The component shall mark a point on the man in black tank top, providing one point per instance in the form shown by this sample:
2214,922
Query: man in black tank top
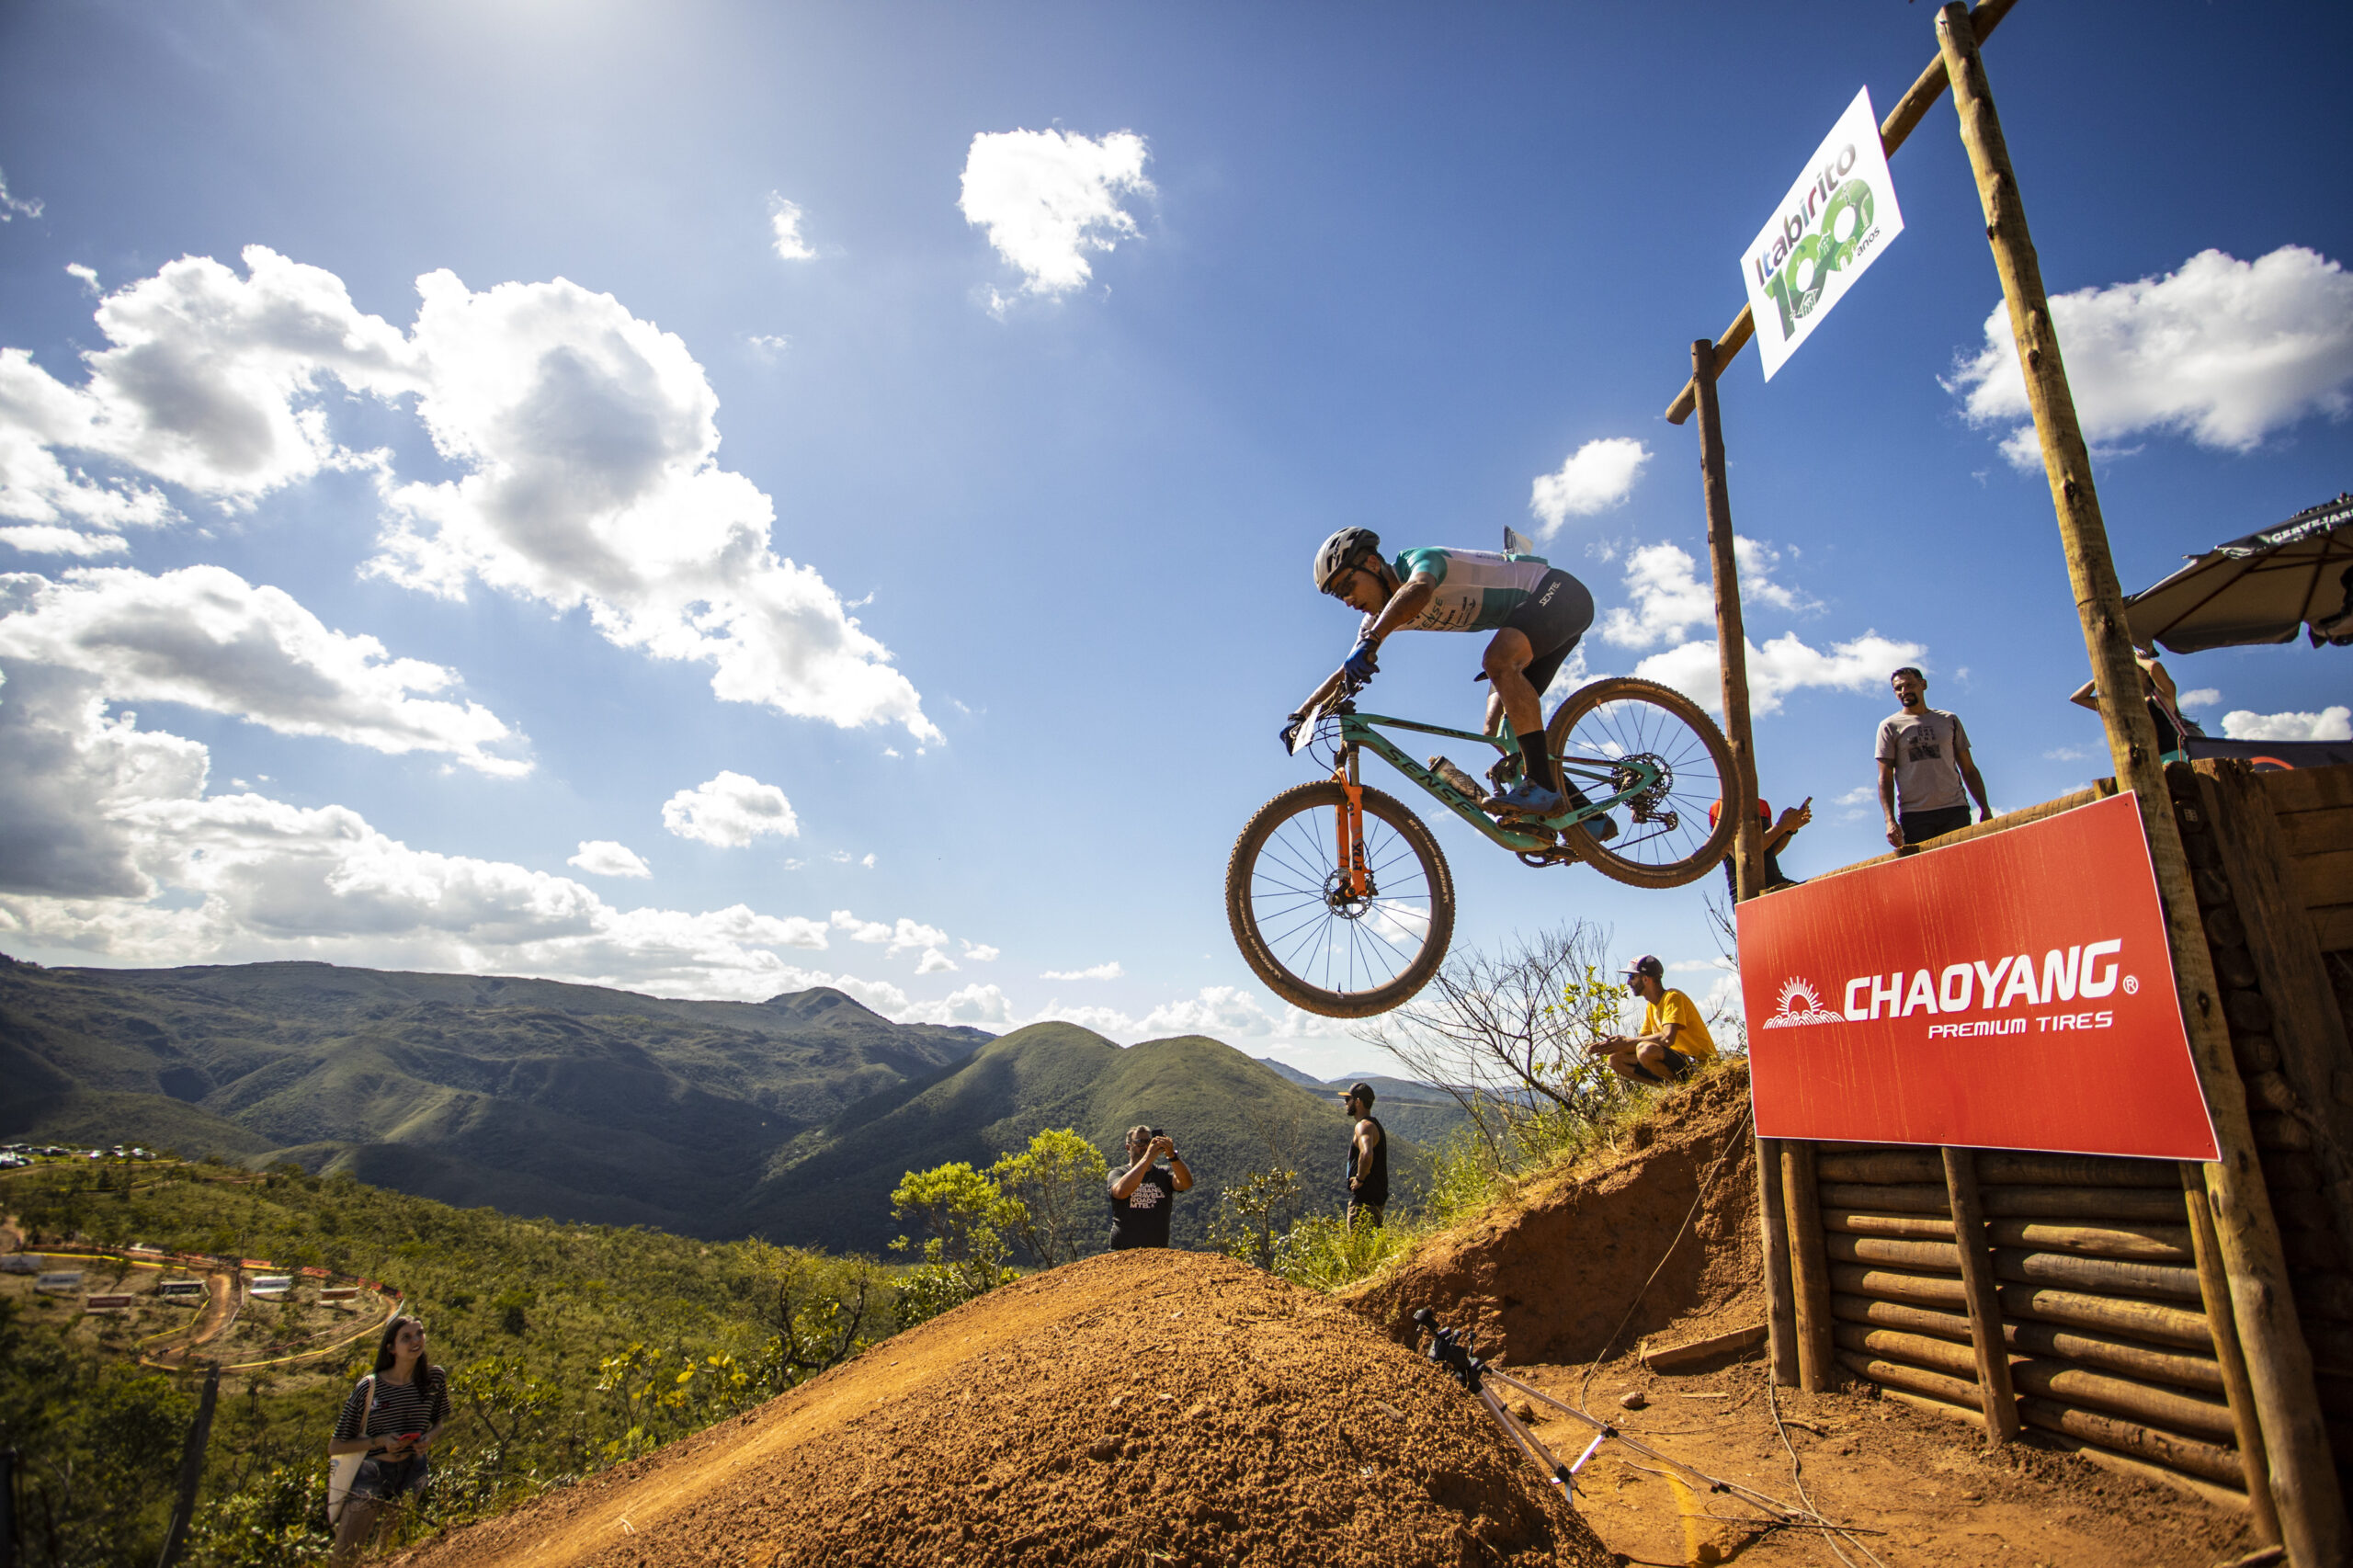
1368,1158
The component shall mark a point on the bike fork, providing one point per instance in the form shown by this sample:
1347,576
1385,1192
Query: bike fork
1351,826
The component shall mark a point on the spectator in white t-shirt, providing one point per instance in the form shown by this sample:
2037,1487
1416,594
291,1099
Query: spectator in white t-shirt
1923,764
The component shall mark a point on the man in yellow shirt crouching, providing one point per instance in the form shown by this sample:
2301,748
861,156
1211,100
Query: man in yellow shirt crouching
1675,1037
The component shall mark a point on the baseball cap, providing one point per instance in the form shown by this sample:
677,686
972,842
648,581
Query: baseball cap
1764,810
1648,965
1359,1091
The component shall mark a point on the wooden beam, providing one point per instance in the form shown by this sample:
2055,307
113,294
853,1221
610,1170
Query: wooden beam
1732,638
1773,1236
1809,1268
2280,1367
2001,1405
2308,1029
2233,1362
1907,113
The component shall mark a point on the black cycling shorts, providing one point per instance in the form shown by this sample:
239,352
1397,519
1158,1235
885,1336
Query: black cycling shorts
1553,618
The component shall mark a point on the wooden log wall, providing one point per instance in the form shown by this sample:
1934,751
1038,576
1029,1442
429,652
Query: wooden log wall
2105,1305
2272,856
2101,1314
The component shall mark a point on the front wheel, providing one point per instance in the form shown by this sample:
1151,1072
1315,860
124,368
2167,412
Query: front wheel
1315,942
1664,839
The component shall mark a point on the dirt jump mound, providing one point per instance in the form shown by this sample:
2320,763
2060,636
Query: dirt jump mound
1551,1275
1139,1407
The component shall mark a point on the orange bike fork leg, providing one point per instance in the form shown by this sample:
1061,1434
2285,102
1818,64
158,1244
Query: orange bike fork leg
1351,846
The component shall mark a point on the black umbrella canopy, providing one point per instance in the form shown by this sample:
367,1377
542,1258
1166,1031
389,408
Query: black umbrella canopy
2261,588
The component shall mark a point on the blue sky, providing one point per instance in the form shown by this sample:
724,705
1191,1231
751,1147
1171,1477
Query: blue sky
891,531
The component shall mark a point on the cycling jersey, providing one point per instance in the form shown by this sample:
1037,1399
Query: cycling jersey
1477,589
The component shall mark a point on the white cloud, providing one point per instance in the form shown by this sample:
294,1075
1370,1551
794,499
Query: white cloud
934,962
44,539
593,443
894,937
1100,972
974,1004
14,207
979,953
1779,666
1047,198
97,817
730,811
603,857
85,276
1668,599
204,636
1596,477
2328,724
2204,697
784,225
587,440
2069,754
1859,802
2222,351
767,345
1757,560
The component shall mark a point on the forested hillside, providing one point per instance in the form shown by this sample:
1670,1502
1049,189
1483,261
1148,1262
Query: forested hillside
1230,1116
572,1101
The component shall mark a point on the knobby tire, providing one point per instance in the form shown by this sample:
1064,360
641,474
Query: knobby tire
1270,931
1693,791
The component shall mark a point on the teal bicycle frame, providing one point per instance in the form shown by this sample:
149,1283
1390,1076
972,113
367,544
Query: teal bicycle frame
1604,782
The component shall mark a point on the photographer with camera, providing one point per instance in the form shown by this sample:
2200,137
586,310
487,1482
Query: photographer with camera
1142,1195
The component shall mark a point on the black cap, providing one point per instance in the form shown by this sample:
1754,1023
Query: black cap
1646,965
1359,1091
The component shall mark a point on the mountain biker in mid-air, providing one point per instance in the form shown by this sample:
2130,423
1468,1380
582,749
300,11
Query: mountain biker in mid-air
1536,612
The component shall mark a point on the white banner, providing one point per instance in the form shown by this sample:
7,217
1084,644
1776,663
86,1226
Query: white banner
1833,224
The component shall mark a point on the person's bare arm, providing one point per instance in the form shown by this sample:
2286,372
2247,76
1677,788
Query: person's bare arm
1969,776
1787,829
1180,1175
1132,1177
1403,606
1321,695
1887,801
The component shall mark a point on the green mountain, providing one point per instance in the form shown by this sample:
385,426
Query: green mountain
573,1101
1229,1115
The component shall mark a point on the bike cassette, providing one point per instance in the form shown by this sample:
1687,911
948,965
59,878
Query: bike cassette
1642,804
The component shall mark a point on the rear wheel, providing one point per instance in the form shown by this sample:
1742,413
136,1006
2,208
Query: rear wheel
1664,837
1316,944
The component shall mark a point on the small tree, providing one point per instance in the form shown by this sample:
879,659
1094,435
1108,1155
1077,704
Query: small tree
1058,1181
1506,1034
1253,1213
964,1220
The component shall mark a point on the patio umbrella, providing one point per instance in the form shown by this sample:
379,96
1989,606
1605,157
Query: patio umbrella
2259,588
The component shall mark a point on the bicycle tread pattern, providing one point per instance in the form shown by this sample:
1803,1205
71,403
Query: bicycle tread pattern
1295,989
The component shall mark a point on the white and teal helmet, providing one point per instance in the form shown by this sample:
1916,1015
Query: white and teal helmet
1349,547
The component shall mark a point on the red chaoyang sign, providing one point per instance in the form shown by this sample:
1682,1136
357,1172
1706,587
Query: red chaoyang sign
2009,991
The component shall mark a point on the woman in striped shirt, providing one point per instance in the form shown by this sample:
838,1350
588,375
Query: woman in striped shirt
392,1417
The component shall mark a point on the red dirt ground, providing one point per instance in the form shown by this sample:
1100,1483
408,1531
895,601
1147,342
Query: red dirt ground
1150,1408
1136,1408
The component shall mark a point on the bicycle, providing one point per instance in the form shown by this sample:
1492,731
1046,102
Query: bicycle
1335,882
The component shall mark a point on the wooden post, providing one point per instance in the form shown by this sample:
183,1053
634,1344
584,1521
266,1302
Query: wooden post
1773,1235
1732,640
2216,1289
2279,1366
1998,1400
1809,1266
199,1434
